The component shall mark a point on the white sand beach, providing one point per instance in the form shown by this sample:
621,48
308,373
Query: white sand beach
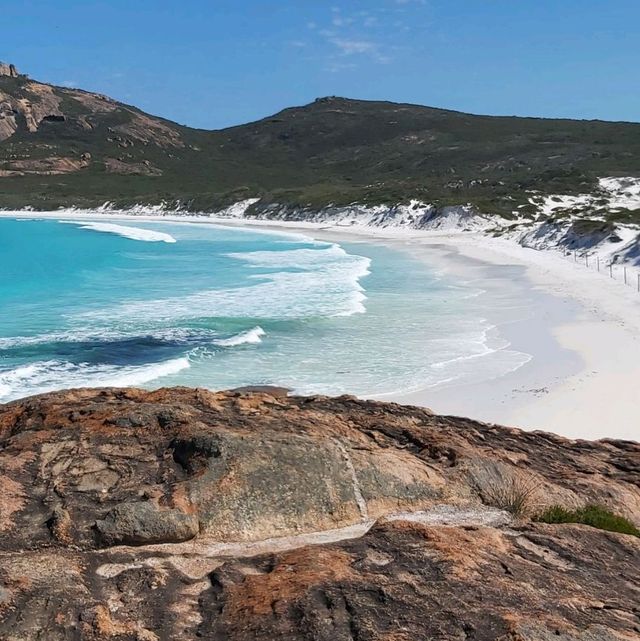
588,315
583,380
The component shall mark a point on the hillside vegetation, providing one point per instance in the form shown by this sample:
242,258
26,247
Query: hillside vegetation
61,146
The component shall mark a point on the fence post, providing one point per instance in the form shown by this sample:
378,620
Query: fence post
586,259
639,282
575,256
625,275
598,259
611,270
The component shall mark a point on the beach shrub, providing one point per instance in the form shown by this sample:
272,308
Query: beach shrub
596,516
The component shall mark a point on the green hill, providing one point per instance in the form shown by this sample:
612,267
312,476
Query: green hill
61,146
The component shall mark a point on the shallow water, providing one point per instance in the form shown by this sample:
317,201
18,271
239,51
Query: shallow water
153,304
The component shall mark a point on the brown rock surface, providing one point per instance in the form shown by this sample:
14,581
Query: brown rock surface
180,513
408,581
34,103
115,166
51,166
46,130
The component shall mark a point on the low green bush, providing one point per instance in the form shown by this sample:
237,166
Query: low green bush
596,516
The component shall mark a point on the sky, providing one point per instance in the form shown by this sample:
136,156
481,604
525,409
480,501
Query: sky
217,63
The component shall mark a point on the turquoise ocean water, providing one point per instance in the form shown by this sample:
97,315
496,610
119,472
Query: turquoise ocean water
86,303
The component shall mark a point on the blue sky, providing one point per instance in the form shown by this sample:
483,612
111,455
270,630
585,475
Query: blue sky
215,63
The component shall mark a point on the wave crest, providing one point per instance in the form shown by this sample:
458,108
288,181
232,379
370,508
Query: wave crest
133,233
305,283
47,376
250,337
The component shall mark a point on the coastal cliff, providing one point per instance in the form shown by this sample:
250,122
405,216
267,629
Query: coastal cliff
184,514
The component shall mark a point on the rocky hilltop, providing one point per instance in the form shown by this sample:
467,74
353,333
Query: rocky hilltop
184,514
334,151
8,70
47,131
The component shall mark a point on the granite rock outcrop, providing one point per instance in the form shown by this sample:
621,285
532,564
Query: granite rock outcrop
183,514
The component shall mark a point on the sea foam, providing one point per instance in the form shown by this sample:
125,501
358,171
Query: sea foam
325,254
250,337
173,335
46,376
208,303
300,283
133,233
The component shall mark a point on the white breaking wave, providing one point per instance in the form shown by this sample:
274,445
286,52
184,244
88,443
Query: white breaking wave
250,337
178,335
297,258
321,283
46,376
133,233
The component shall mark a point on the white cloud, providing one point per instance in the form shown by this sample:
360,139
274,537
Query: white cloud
350,47
336,66
356,36
354,47
340,21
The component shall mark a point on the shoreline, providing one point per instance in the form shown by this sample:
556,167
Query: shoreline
591,391
498,399
584,336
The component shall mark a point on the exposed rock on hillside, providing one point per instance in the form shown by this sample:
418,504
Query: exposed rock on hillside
47,130
34,104
144,168
180,513
8,70
51,166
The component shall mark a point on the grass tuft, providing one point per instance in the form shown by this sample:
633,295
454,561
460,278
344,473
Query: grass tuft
515,496
596,516
505,488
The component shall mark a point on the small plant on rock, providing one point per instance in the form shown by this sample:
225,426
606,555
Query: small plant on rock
506,488
596,516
